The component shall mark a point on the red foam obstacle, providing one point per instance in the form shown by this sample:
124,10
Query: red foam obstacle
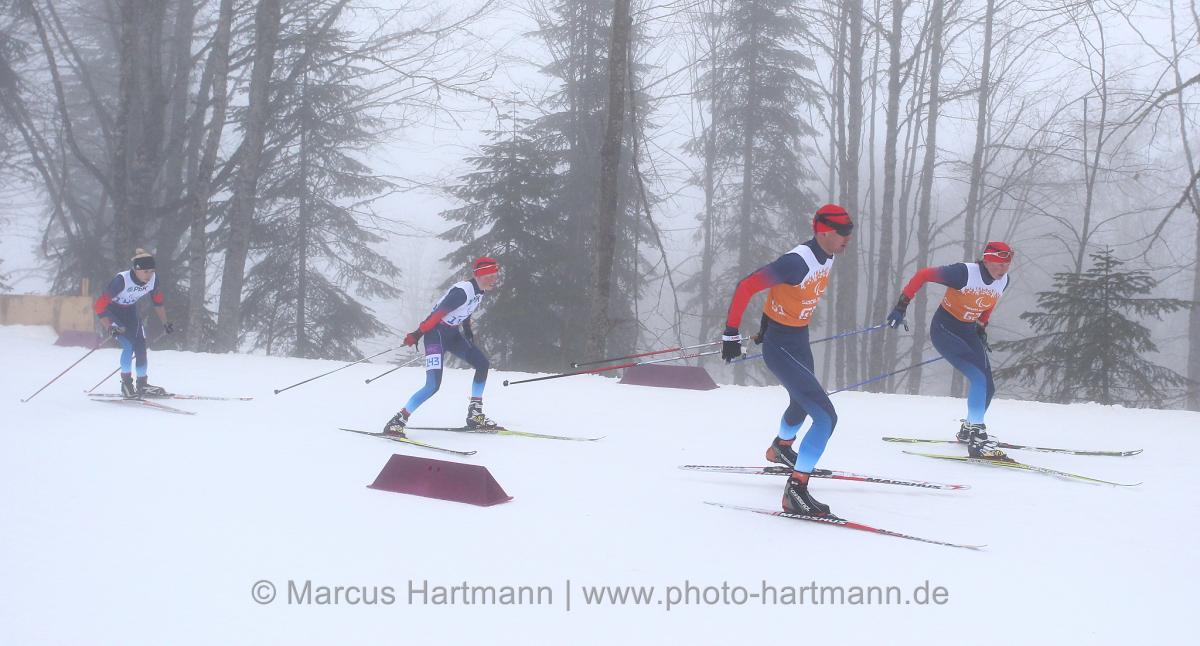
469,483
689,377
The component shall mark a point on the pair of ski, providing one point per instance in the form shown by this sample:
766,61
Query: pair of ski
841,475
1013,464
1021,447
465,429
831,519
113,398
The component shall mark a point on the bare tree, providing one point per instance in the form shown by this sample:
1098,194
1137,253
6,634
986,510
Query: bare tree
924,227
883,347
610,158
241,210
214,88
846,313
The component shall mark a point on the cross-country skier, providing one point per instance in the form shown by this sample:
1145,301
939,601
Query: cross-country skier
117,308
959,331
448,329
797,280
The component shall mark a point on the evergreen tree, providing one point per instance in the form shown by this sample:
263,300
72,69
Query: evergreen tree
566,141
312,252
505,215
1090,339
756,139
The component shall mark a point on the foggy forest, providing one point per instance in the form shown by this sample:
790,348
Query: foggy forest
311,175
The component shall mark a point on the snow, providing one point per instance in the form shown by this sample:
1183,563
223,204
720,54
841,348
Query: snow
132,526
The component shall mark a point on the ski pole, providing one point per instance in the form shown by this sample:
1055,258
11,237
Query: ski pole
403,365
77,362
885,376
580,364
843,335
607,368
332,371
89,390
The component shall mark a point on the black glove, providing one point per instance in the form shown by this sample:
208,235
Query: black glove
981,330
116,329
731,344
762,330
412,337
467,332
896,318
169,327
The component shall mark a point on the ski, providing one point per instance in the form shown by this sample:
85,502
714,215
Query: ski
823,473
1021,447
841,522
147,404
406,440
1024,467
172,396
502,431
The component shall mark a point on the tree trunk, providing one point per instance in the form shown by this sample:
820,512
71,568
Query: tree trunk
1193,366
1091,170
1193,360
122,133
847,273
974,191
245,188
217,69
746,207
883,345
173,223
923,223
610,166
708,251
304,218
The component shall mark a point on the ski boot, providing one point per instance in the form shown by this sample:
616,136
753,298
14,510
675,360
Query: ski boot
980,446
780,452
128,390
145,389
395,425
797,499
964,431
476,420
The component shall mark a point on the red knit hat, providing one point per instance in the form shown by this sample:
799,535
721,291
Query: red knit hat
486,266
997,251
832,217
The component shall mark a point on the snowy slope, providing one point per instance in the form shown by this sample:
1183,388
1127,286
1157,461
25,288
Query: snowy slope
130,526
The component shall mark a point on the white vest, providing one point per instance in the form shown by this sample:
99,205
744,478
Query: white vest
133,291
460,313
794,305
976,297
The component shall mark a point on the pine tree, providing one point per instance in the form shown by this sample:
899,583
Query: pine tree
1090,339
576,36
505,215
757,138
313,253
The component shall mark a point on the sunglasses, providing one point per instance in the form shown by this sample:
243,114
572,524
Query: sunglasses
1000,256
841,228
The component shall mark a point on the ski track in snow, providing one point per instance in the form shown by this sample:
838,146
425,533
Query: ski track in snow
130,526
